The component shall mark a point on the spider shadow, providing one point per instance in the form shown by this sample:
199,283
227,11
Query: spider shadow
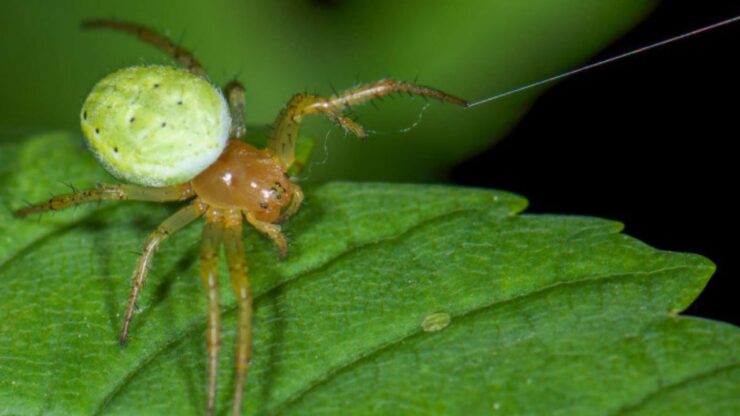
192,380
267,344
181,267
271,315
99,226
272,340
166,313
159,284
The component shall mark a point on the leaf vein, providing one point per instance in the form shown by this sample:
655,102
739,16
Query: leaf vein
348,365
675,385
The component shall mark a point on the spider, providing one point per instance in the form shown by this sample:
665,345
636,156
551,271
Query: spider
175,137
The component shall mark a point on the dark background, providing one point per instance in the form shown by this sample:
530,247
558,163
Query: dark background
672,180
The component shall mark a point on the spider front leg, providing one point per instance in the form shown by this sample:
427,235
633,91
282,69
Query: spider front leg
212,238
119,192
272,231
171,225
296,199
234,247
285,129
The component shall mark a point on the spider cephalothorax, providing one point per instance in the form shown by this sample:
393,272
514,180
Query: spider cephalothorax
176,137
247,178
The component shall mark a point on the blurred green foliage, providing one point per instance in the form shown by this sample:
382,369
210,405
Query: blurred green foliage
471,48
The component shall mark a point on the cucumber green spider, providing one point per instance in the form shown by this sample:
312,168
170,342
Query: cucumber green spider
176,137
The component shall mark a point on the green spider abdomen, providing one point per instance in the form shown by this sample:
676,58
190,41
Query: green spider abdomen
155,125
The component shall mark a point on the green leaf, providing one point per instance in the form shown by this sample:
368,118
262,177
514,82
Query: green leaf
395,299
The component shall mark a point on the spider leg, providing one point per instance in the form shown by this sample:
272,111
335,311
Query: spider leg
172,224
285,129
296,200
119,192
272,231
234,247
212,238
151,37
234,92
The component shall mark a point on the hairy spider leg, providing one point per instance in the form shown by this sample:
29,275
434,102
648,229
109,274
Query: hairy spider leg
120,192
172,224
285,129
296,199
181,55
212,238
272,231
234,247
234,92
